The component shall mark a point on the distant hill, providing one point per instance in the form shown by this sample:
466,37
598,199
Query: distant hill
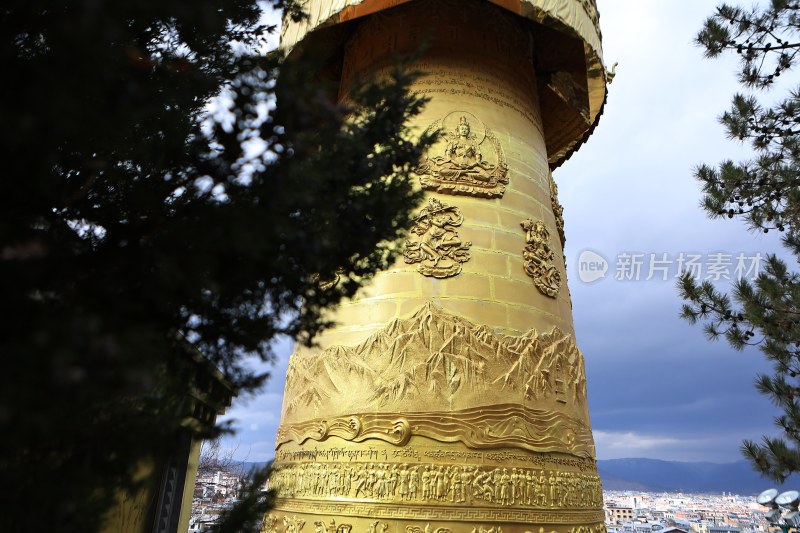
250,466
655,475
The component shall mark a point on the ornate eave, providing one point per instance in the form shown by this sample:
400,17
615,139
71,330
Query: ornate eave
569,58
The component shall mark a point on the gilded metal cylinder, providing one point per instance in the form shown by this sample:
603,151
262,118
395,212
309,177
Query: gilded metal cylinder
451,397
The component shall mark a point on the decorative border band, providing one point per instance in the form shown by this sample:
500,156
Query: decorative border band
376,510
484,427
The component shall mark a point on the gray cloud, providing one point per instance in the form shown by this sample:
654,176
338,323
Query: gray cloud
657,387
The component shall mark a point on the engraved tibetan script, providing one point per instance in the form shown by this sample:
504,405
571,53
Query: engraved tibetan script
471,162
538,256
436,246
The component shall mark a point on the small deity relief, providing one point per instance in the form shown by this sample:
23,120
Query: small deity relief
320,527
293,525
472,162
481,529
269,524
374,528
428,529
437,247
538,256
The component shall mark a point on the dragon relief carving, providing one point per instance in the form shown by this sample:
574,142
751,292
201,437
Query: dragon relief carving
538,256
471,163
436,245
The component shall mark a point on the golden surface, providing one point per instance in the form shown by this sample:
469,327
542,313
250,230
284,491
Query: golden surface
451,396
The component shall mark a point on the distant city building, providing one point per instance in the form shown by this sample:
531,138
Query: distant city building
214,492
723,529
642,512
675,530
618,515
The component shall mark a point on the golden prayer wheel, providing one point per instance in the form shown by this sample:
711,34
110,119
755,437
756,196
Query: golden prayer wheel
451,397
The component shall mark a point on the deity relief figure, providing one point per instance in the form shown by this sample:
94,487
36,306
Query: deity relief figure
426,529
320,527
463,168
481,529
437,247
269,524
461,153
293,525
538,256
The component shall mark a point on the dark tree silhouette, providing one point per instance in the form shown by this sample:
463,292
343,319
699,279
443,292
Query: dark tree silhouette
765,192
142,238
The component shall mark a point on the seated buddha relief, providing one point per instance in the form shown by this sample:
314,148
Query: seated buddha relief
471,162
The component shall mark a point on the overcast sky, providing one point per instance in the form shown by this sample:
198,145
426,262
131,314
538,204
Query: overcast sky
657,387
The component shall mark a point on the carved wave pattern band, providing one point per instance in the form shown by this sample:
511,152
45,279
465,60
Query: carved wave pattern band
356,428
436,484
453,512
480,427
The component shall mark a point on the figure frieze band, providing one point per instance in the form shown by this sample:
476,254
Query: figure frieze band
436,483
